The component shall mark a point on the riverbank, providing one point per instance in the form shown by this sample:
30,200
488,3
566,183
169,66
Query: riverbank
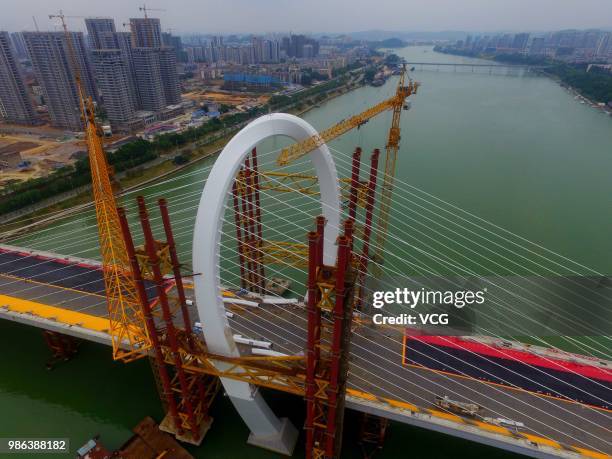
579,96
41,215
580,83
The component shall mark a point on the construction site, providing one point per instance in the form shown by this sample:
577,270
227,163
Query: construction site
275,292
37,154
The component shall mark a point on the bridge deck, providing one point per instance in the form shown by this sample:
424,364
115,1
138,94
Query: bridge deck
467,64
67,296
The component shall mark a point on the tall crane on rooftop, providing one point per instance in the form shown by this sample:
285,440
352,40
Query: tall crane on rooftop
395,103
129,336
144,9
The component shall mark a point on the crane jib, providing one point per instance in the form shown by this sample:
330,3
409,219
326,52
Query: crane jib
395,102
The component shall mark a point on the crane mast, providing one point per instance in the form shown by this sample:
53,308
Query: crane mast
391,148
129,337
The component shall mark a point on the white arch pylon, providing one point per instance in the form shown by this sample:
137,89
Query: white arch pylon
267,430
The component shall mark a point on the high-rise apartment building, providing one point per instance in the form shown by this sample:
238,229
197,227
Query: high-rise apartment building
19,44
15,104
113,70
124,40
53,67
154,65
175,43
294,46
170,81
112,78
258,51
101,32
538,46
520,41
604,46
146,32
149,78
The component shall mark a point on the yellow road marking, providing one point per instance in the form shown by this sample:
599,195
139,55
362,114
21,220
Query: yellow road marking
447,416
492,428
593,454
479,424
360,394
403,405
55,313
541,440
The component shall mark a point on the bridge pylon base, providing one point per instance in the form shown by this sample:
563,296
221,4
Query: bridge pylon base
283,442
372,434
167,425
62,347
267,430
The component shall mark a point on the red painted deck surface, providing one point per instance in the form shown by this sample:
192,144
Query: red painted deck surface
589,371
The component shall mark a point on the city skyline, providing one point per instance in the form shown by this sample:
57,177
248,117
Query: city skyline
318,16
133,75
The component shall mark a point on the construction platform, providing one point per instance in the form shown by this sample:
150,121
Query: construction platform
148,442
66,295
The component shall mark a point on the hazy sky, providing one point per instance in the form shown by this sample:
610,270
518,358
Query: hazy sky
258,16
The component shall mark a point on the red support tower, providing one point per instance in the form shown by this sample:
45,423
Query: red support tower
176,266
259,226
354,183
170,330
152,331
249,226
186,395
239,238
330,312
249,230
367,231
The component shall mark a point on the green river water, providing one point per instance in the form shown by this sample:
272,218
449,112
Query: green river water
511,147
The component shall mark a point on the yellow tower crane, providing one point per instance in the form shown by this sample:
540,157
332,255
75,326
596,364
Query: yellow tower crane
129,337
396,104
403,91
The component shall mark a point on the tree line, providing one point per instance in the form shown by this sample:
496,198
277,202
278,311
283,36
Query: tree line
596,83
18,195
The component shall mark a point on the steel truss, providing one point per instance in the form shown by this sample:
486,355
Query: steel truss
186,395
330,296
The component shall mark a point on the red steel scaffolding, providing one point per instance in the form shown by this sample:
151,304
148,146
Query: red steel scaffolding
330,311
249,230
187,395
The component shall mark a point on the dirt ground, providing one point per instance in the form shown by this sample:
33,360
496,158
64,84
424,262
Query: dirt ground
233,99
42,148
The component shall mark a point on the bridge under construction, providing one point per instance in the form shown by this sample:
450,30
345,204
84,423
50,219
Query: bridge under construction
379,383
293,314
